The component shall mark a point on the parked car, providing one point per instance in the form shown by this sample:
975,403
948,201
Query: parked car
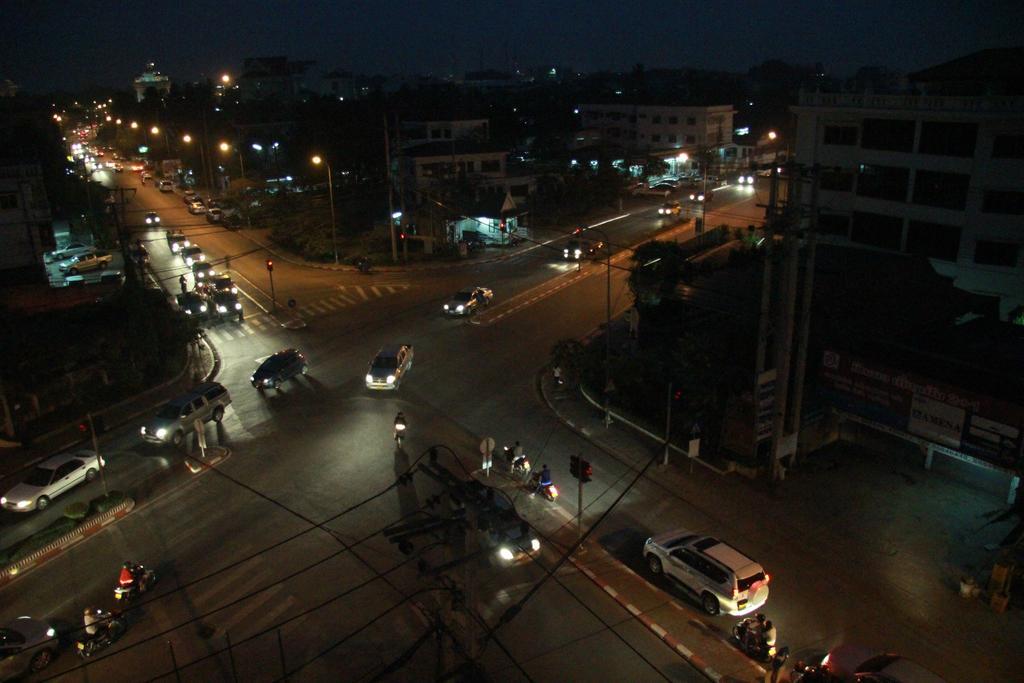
857,664
96,260
177,241
146,175
231,221
723,578
27,646
192,254
226,304
69,250
467,301
278,368
389,367
220,283
196,208
194,304
205,402
49,479
214,215
152,218
190,196
202,270
672,208
165,186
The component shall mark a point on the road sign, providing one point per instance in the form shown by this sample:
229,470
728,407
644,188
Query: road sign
487,451
201,437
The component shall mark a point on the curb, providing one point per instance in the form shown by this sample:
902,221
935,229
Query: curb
694,660
69,539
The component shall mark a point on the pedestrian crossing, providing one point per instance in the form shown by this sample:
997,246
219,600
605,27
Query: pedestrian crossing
349,295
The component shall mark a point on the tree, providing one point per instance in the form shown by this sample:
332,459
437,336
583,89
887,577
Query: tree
655,166
658,267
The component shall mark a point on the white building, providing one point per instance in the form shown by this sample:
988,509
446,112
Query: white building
150,78
933,174
420,132
26,229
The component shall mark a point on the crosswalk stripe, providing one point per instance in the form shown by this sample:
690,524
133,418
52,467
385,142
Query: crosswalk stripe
342,297
271,617
252,604
247,329
206,595
361,292
257,321
326,303
391,290
376,292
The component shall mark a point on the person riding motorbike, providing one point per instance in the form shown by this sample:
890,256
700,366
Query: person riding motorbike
752,638
545,479
768,637
133,575
92,620
399,426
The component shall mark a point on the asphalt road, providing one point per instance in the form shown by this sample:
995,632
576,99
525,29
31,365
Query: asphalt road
268,537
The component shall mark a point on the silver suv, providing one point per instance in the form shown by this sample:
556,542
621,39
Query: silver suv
177,418
722,577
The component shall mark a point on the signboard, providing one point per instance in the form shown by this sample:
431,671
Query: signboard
764,406
972,423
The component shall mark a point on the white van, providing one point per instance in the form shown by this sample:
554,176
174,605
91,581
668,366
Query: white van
165,186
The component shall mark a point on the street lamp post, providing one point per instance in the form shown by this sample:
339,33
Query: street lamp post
607,326
317,160
225,147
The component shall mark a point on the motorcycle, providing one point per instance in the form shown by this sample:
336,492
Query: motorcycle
110,630
399,433
550,491
143,582
520,467
756,648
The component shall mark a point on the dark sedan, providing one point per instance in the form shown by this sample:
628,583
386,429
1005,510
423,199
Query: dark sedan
277,369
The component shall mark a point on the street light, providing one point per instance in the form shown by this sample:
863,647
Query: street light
225,147
186,138
317,160
772,135
154,130
225,79
135,124
607,325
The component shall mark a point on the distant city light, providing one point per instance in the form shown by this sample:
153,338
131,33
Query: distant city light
257,146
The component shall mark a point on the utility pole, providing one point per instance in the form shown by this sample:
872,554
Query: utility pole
96,450
391,193
804,324
122,232
784,328
766,302
668,424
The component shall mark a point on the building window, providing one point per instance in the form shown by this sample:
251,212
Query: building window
691,139
945,190
490,166
691,121
632,118
895,135
876,230
447,133
840,135
8,201
672,138
996,253
948,138
933,240
883,182
833,224
656,137
673,120
1004,201
1008,147
655,119
837,180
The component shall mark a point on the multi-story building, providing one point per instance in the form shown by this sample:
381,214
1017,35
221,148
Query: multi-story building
272,77
150,78
663,131
421,132
937,171
26,230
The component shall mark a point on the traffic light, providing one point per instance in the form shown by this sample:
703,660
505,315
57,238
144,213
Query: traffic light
501,225
586,471
574,466
270,265
677,395
401,235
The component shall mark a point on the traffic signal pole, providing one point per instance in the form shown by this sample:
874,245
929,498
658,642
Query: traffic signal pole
270,271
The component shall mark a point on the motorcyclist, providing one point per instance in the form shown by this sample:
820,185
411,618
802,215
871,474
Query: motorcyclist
545,479
399,425
755,628
92,619
768,637
132,575
515,455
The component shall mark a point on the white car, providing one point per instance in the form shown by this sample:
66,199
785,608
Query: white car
95,260
68,251
196,208
467,301
856,664
745,180
51,478
388,367
723,578
152,218
27,646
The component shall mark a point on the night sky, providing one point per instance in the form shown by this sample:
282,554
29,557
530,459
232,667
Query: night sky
71,44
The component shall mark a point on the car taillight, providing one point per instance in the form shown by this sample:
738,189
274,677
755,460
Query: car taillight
767,578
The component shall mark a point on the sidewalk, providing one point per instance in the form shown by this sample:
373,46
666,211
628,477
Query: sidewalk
202,364
898,539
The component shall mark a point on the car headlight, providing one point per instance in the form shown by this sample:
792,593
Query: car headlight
202,257
202,308
221,309
188,311
187,243
565,252
460,308
3,500
535,544
234,290
369,378
391,379
156,219
505,554
578,252
50,633
161,433
238,306
446,307
268,381
24,504
142,430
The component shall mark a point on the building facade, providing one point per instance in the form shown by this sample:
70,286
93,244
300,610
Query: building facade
26,228
272,78
937,175
150,78
657,128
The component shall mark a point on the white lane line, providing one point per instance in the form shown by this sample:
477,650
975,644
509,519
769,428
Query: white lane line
326,303
391,290
342,300
361,292
684,651
376,292
316,307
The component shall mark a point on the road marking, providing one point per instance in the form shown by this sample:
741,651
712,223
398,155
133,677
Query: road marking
247,329
391,290
326,303
632,610
376,292
254,603
361,292
342,300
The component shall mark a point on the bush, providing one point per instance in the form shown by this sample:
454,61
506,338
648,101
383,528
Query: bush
104,503
77,511
42,538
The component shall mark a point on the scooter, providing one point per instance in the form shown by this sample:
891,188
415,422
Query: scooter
520,467
399,433
756,648
143,582
550,491
111,629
